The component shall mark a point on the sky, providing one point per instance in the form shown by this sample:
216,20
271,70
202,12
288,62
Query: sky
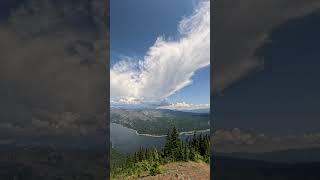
160,53
266,68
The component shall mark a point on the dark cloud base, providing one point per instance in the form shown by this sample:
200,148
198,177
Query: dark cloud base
52,68
241,28
242,96
53,81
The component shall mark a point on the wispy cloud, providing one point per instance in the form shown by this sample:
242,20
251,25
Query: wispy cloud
168,66
183,106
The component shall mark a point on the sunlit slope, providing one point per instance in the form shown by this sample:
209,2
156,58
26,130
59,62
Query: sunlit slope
157,122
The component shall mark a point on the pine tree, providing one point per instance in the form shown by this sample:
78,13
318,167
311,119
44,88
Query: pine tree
175,144
141,155
200,147
136,158
167,146
175,140
155,155
146,154
180,152
193,142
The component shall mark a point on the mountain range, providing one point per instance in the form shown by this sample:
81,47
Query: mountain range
158,121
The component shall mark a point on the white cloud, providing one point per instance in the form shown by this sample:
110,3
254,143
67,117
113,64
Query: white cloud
168,66
183,106
126,101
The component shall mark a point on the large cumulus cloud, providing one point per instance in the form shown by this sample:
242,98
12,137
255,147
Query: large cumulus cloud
169,64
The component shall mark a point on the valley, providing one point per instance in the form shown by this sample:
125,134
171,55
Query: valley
158,121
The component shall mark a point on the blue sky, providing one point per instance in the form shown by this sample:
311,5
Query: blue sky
135,27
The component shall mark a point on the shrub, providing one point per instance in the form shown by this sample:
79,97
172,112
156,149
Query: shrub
155,169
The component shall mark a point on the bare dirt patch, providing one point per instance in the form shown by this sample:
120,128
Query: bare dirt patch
183,171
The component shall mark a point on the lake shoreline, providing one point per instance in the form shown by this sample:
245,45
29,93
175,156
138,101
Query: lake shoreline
188,133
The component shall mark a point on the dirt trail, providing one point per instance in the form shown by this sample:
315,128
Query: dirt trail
183,171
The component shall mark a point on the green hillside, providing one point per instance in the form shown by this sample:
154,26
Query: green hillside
157,122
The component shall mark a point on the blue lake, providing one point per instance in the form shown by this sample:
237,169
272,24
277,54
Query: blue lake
127,140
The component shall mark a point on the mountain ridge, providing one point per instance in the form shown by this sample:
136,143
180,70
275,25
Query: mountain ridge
158,121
